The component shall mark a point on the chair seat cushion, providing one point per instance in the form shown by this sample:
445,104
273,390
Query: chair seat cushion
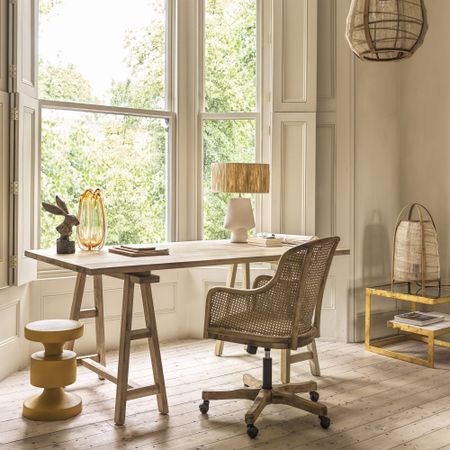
251,327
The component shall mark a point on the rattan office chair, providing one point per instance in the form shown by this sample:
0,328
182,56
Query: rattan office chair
277,313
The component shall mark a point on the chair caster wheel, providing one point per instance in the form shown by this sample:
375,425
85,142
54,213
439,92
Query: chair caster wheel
204,407
252,349
324,421
314,396
252,431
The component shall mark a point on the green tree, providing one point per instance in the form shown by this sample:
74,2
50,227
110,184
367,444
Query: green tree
63,83
123,155
230,85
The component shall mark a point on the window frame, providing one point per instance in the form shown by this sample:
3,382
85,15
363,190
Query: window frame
203,115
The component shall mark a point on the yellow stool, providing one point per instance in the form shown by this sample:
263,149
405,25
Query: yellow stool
52,370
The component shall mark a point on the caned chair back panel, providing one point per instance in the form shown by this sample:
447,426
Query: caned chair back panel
287,306
281,299
314,276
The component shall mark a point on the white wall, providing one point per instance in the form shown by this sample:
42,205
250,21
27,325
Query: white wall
14,303
425,119
51,298
377,180
402,154
358,163
334,162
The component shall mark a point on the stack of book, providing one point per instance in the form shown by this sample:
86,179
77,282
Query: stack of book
138,250
418,318
276,240
265,241
295,239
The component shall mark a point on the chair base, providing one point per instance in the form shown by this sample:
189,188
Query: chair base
52,404
281,394
288,358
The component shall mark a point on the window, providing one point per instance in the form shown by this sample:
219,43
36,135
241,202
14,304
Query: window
173,84
106,114
229,102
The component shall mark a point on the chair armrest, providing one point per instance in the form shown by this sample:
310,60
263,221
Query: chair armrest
232,296
223,301
261,281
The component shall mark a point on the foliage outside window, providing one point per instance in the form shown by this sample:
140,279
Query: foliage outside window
230,86
118,62
120,141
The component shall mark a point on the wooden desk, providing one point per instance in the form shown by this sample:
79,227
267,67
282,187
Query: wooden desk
138,271
428,334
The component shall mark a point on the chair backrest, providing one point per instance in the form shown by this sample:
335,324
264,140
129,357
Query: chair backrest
299,282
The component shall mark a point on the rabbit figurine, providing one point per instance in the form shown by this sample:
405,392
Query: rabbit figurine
63,244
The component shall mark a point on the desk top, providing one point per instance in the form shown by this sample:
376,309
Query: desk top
182,254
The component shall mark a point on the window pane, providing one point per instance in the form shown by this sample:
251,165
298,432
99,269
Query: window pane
230,55
104,52
224,141
125,156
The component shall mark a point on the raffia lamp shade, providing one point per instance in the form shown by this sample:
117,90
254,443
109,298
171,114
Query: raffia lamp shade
386,30
415,256
245,178
242,178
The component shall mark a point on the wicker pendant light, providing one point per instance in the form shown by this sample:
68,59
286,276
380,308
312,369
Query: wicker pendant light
386,30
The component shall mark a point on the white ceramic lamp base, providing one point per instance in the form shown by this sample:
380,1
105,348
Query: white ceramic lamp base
239,218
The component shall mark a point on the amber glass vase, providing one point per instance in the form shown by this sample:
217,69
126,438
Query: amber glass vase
91,231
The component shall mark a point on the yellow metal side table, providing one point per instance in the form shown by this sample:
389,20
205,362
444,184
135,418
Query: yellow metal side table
428,334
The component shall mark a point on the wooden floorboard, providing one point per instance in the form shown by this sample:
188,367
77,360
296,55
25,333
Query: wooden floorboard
374,403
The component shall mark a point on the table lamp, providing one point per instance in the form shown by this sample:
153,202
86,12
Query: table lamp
243,178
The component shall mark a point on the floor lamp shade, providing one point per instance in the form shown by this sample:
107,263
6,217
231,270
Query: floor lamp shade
241,178
386,30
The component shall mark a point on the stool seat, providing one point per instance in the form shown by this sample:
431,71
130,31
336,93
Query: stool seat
53,331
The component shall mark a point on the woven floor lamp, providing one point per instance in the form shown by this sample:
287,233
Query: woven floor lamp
386,30
240,178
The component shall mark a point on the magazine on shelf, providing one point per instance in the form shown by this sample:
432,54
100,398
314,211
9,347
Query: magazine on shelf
418,318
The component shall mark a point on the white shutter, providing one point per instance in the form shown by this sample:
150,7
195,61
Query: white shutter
24,200
26,195
293,173
4,45
25,18
4,140
4,186
293,121
294,55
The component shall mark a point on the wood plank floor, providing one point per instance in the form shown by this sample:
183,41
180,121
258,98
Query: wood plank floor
374,403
